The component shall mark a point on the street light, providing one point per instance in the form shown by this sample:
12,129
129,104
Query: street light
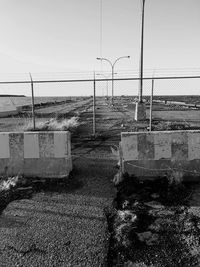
112,66
106,77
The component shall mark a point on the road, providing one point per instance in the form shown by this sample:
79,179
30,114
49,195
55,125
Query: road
65,224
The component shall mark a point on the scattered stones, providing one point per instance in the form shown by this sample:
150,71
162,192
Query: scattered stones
148,237
122,234
161,213
127,216
164,224
160,218
126,204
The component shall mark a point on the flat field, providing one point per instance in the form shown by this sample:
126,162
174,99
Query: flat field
121,115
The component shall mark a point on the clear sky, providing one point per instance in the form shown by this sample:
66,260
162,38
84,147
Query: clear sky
41,36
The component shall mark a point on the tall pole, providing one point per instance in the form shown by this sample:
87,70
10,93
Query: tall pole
33,105
107,89
151,106
112,83
94,107
107,80
141,54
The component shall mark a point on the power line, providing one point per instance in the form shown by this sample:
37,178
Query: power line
107,79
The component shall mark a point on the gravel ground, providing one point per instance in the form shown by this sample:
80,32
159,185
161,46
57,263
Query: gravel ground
44,233
63,224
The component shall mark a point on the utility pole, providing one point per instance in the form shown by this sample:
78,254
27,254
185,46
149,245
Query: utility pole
94,108
140,109
151,106
141,54
33,105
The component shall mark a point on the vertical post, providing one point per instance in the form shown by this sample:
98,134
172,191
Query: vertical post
33,105
151,106
112,83
94,107
107,88
141,54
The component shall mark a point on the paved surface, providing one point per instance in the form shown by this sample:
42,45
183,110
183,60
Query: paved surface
53,233
65,224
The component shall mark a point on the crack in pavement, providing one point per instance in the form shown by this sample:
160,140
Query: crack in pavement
32,249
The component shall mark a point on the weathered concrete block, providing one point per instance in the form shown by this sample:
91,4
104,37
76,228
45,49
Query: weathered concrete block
36,154
154,154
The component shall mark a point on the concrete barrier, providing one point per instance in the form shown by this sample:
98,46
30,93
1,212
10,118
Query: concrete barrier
35,154
153,154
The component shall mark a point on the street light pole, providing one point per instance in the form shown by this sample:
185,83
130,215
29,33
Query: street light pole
33,104
112,66
106,77
141,55
112,83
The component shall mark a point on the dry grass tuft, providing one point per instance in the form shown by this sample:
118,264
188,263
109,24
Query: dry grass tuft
52,125
11,182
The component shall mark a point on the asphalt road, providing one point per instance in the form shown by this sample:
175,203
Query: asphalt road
51,232
63,225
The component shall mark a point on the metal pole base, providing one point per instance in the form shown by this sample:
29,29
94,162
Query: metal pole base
140,112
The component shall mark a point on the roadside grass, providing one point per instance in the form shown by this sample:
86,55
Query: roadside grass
8,183
52,124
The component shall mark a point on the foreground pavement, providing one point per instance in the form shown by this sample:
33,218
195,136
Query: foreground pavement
50,231
62,225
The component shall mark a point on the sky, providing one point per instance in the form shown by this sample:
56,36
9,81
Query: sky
63,38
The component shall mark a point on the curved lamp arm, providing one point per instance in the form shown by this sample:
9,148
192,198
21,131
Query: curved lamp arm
120,58
102,58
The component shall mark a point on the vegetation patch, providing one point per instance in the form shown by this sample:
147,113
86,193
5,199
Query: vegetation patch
12,188
151,224
170,126
52,124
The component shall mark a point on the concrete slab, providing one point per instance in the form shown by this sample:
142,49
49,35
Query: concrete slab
153,154
36,154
